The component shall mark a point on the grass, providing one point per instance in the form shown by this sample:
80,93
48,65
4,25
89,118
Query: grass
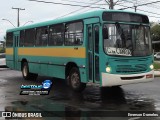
156,68
156,65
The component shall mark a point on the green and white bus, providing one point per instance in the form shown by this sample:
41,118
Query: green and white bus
106,47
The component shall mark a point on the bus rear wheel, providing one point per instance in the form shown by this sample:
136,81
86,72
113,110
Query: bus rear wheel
26,74
75,81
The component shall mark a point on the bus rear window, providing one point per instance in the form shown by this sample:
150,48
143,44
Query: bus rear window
124,17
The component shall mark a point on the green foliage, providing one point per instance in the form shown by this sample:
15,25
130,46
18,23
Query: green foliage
156,65
155,33
151,23
2,50
4,38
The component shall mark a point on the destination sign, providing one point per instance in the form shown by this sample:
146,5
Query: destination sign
118,51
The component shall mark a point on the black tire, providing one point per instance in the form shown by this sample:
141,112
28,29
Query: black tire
75,80
26,74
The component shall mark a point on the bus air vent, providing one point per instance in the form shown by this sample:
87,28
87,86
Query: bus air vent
131,68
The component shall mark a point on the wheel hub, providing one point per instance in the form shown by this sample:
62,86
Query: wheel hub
75,80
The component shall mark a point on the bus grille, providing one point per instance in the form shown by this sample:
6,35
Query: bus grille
131,68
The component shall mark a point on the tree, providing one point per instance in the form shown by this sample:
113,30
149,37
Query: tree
155,33
4,38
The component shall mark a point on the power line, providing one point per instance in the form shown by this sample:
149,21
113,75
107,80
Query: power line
140,5
87,3
141,10
148,12
142,2
144,11
76,1
64,4
78,10
153,16
85,6
149,1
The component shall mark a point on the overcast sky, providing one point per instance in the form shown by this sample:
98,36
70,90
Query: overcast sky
38,12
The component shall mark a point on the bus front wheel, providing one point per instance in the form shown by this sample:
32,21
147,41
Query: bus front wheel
26,74
75,81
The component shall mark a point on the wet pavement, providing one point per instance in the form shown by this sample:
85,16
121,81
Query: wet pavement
93,100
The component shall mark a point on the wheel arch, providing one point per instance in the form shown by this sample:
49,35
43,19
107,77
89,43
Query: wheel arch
68,68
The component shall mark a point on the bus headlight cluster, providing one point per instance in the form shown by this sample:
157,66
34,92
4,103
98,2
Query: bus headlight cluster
108,69
151,67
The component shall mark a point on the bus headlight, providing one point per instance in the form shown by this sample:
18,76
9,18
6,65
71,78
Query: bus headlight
151,67
108,69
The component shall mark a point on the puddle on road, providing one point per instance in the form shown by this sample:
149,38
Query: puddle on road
54,110
109,98
105,99
92,99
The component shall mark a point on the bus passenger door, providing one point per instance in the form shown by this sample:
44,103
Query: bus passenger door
93,53
15,49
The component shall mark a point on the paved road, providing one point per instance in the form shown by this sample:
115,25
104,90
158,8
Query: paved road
135,97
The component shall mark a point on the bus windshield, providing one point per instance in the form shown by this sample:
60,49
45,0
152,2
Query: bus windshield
127,40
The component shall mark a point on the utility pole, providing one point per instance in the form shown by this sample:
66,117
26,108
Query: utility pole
111,3
135,8
111,6
18,9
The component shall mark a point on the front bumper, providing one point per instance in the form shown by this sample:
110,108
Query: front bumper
115,80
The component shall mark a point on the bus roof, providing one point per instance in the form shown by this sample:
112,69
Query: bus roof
96,13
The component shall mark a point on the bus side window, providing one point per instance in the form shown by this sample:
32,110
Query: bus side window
45,37
21,41
96,32
29,37
42,36
74,34
89,38
9,41
56,35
